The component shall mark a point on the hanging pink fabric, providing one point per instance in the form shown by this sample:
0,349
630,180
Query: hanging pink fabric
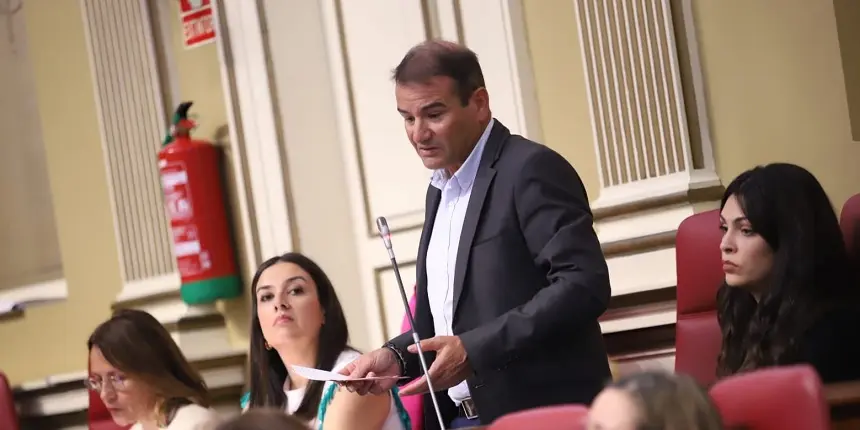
413,404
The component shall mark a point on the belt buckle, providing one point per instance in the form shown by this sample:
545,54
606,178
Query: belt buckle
469,408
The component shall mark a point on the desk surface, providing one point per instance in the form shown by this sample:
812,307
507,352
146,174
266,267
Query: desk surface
844,401
843,393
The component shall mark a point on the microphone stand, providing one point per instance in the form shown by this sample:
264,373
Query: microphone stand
385,233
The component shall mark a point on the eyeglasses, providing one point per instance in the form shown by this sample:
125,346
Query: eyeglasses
117,382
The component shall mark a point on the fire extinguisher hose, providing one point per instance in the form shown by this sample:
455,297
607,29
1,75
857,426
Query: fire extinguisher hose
180,117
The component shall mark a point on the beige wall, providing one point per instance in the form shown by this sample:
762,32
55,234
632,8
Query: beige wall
51,339
30,251
198,79
773,77
776,90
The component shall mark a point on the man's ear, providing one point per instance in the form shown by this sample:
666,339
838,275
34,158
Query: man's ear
481,100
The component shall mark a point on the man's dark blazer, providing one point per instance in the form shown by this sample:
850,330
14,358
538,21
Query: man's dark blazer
530,282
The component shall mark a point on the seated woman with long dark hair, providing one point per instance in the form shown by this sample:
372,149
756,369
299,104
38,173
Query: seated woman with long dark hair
143,378
790,292
297,320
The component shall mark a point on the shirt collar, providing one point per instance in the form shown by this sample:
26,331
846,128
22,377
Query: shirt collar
465,175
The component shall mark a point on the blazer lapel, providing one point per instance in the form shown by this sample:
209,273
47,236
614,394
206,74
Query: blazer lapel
480,187
434,195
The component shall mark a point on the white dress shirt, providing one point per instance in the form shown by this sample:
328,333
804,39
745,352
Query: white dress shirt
445,241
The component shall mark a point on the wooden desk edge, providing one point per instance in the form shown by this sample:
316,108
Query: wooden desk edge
842,393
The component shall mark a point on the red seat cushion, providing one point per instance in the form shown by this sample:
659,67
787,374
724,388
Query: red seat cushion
8,414
776,398
699,276
698,342
547,418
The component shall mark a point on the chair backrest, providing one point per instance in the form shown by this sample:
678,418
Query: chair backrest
8,414
561,417
414,404
777,398
699,275
849,220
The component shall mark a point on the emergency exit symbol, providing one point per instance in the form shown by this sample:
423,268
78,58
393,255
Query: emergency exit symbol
198,23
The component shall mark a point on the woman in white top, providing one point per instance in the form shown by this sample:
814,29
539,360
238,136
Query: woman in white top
297,320
143,378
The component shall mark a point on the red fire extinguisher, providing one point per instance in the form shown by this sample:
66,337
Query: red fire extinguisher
191,181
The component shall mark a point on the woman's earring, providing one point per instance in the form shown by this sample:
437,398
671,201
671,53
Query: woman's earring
266,343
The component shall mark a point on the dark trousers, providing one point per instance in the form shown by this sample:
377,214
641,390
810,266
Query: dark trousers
463,422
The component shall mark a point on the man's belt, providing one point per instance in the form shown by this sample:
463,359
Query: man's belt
468,408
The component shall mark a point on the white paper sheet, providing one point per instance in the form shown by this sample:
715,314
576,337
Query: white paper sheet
324,375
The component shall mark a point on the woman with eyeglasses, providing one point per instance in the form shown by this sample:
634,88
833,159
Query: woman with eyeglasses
143,378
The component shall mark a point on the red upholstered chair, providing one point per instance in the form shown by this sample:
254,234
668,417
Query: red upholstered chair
699,275
777,398
849,220
8,414
562,417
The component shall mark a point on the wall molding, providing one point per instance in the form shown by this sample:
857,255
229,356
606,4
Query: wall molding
698,84
391,323
347,128
253,126
639,317
635,192
36,293
149,288
55,395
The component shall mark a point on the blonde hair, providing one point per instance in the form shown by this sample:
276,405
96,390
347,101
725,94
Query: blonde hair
669,401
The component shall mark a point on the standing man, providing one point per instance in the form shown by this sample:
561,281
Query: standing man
511,278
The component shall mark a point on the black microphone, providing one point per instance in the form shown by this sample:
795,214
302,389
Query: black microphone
385,233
